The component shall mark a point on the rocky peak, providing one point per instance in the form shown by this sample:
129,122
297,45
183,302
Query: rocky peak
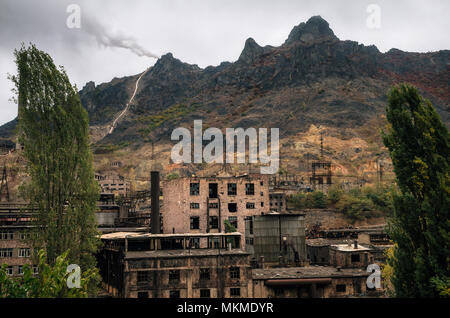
89,87
252,50
167,63
315,29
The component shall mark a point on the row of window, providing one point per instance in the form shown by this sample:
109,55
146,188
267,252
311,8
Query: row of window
276,204
9,235
204,293
194,189
232,207
8,252
19,271
213,222
174,275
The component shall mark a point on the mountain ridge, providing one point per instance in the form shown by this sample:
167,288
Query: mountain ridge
312,80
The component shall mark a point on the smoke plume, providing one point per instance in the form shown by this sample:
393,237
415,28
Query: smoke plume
109,38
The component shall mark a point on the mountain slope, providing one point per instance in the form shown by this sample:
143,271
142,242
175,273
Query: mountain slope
313,79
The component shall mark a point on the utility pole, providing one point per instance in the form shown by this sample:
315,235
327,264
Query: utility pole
321,145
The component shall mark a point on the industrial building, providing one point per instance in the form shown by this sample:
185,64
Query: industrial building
15,221
202,204
113,184
350,255
309,282
276,239
143,265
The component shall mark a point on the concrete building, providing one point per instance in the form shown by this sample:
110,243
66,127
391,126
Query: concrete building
318,250
350,255
142,265
276,239
202,204
309,282
113,184
108,212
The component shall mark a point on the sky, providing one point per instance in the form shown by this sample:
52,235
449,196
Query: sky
202,32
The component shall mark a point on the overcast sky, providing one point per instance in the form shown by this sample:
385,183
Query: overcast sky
202,32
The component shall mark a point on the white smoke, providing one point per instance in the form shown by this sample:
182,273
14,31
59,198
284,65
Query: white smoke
109,38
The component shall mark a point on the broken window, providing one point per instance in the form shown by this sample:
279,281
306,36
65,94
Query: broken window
213,190
142,294
205,293
205,274
340,288
195,189
233,221
213,222
262,204
143,277
174,294
174,276
214,242
250,189
6,235
195,222
279,292
235,291
250,205
235,273
6,252
355,258
232,207
232,189
194,242
195,205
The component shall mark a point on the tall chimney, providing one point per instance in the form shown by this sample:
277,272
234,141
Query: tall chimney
355,244
155,222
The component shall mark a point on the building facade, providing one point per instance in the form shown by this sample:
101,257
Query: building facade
202,204
137,265
309,282
276,239
15,220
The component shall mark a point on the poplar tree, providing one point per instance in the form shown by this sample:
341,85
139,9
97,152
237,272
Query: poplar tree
53,129
419,146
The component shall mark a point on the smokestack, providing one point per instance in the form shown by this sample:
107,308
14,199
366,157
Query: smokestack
155,222
355,242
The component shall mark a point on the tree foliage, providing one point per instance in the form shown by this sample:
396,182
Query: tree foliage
50,282
419,145
53,129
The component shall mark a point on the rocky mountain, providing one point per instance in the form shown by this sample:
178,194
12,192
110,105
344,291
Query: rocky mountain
312,82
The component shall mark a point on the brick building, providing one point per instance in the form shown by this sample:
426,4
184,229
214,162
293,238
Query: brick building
15,220
202,204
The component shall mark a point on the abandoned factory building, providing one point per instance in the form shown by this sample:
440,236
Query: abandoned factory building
202,204
305,282
172,265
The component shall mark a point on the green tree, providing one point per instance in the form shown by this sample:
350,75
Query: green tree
419,145
50,282
53,128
